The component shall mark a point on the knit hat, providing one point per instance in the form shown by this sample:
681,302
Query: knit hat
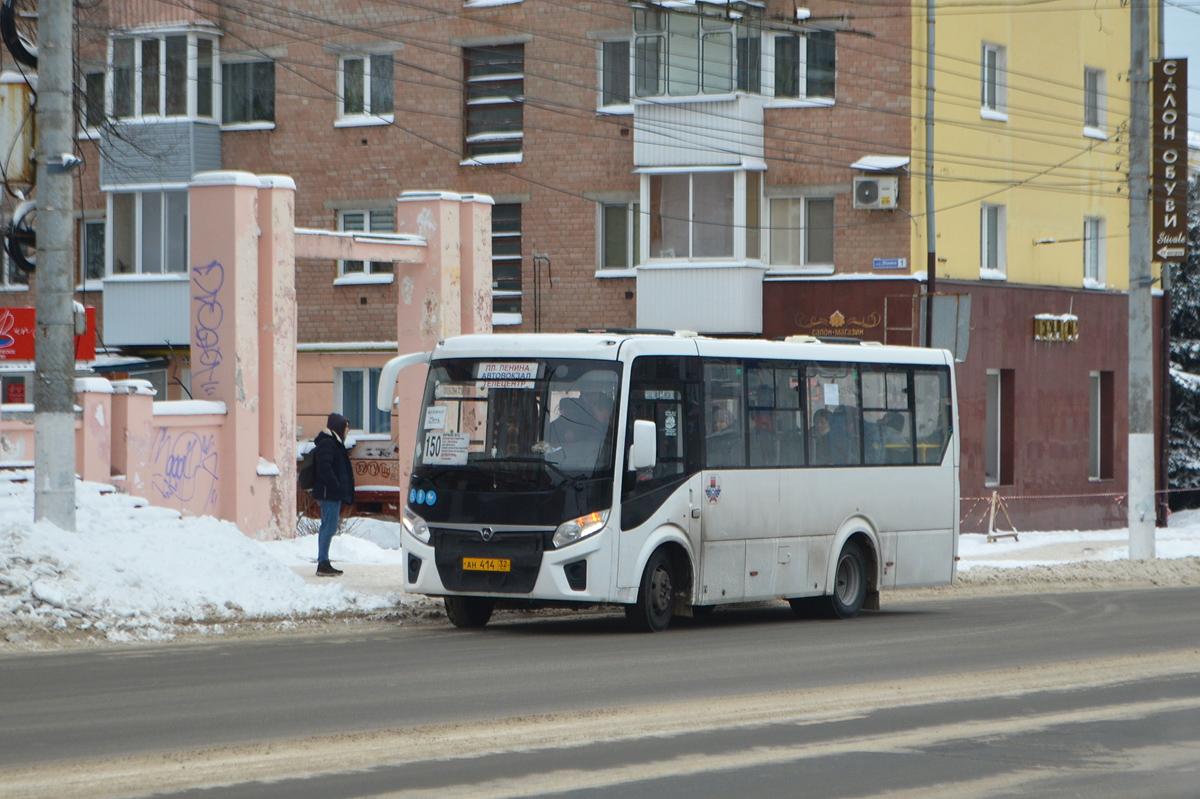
337,424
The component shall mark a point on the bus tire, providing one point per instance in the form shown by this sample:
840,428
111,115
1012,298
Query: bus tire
469,611
849,584
656,595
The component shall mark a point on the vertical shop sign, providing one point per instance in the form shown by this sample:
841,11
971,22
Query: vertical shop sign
1169,127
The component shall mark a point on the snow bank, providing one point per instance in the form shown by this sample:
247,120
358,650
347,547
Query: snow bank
132,571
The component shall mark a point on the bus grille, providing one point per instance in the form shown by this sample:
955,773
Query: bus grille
523,550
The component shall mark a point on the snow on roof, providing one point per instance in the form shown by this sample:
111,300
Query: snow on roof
880,163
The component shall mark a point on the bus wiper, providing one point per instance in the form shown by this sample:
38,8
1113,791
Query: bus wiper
574,481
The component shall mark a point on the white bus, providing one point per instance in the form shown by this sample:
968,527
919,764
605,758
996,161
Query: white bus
671,473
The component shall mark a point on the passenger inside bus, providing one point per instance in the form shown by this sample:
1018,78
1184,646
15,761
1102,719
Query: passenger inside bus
830,444
724,444
579,435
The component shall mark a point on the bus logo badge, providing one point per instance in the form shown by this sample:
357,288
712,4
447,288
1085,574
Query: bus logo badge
486,534
713,489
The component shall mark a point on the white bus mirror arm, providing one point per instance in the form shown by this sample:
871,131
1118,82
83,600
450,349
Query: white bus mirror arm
391,372
643,452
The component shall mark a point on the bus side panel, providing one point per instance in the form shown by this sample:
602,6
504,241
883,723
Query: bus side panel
723,574
633,549
924,558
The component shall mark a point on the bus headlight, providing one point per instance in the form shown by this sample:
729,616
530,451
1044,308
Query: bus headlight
415,525
577,529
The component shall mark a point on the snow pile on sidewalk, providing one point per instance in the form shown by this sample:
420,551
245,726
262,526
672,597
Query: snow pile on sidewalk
136,572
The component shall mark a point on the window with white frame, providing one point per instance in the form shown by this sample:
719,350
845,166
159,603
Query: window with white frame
805,66
1100,426
366,88
91,251
378,221
1093,103
704,215
993,80
506,264
992,235
1094,252
614,73
248,92
620,243
494,102
149,232
12,277
802,231
162,75
992,429
354,395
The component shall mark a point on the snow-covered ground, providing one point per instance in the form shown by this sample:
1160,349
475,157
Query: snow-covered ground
134,572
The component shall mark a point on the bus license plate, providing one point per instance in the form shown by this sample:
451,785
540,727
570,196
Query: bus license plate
487,564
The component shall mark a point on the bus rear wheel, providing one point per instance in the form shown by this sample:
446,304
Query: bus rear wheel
656,595
849,584
469,611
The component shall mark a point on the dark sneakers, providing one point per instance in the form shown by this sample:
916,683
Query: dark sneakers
325,569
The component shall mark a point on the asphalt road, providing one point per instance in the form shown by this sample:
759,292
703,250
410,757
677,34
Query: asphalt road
1094,694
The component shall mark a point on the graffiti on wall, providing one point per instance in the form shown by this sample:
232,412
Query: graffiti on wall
185,468
208,282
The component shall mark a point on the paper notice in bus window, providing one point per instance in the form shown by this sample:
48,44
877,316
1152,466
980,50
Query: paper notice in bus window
504,384
435,418
446,449
831,394
510,371
670,425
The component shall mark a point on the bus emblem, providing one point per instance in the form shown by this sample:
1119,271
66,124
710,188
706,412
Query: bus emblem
713,489
486,534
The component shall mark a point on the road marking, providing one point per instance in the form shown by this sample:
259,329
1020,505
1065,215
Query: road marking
906,740
142,775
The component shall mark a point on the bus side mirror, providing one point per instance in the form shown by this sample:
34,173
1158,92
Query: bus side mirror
643,452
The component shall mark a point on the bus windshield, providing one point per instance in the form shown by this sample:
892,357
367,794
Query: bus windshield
516,425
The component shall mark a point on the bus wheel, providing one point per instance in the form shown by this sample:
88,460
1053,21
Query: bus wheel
656,595
469,611
849,584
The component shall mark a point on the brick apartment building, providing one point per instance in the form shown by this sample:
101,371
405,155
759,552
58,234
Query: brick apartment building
691,167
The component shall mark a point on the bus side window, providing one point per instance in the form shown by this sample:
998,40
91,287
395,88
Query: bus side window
887,420
658,392
931,389
776,434
833,415
725,441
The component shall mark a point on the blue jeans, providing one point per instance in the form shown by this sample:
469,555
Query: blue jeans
330,510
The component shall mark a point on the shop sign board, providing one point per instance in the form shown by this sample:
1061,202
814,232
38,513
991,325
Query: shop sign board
17,335
1169,128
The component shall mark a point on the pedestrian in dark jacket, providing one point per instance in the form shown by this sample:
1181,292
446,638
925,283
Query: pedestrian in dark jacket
333,486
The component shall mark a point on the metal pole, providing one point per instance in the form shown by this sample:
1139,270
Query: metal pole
930,226
54,339
1141,336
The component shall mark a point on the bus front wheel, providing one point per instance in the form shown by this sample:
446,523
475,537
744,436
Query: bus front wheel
656,595
469,611
849,584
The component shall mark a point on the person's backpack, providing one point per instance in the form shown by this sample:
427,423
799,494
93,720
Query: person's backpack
308,470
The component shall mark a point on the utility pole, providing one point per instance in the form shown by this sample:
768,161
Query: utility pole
54,393
1141,336
930,226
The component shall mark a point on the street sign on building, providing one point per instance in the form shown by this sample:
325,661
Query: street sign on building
1169,126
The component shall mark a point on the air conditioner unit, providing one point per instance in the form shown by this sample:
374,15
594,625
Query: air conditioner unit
876,193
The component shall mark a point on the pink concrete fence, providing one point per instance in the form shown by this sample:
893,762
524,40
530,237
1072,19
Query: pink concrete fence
167,452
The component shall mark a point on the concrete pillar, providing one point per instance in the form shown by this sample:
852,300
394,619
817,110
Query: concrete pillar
133,434
476,263
430,307
277,346
93,450
223,208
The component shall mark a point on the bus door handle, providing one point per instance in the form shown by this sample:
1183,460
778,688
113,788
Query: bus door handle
695,513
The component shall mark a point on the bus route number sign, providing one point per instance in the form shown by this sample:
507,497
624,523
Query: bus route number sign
446,449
